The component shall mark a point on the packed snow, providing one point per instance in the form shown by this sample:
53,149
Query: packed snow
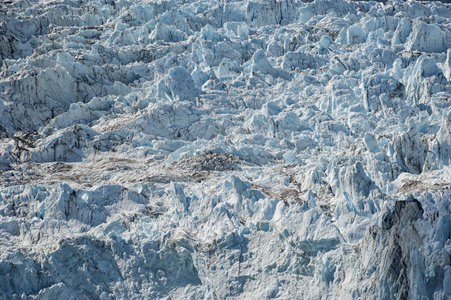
225,149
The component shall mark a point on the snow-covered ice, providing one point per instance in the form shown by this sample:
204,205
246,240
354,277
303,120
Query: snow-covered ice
239,149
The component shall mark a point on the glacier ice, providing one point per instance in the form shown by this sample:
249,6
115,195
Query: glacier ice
239,149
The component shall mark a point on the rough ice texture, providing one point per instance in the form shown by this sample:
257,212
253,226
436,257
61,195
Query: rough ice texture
225,149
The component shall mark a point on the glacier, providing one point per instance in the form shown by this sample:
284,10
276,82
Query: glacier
241,149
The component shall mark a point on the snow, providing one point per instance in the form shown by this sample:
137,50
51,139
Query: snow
225,149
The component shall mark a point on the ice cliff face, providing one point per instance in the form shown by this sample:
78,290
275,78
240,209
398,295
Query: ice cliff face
225,149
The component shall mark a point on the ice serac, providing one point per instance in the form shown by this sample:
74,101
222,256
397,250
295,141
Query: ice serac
440,153
410,151
401,257
178,85
425,80
427,38
262,65
402,32
272,12
447,67
241,149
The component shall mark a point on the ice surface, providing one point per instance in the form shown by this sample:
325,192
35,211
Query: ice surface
225,149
